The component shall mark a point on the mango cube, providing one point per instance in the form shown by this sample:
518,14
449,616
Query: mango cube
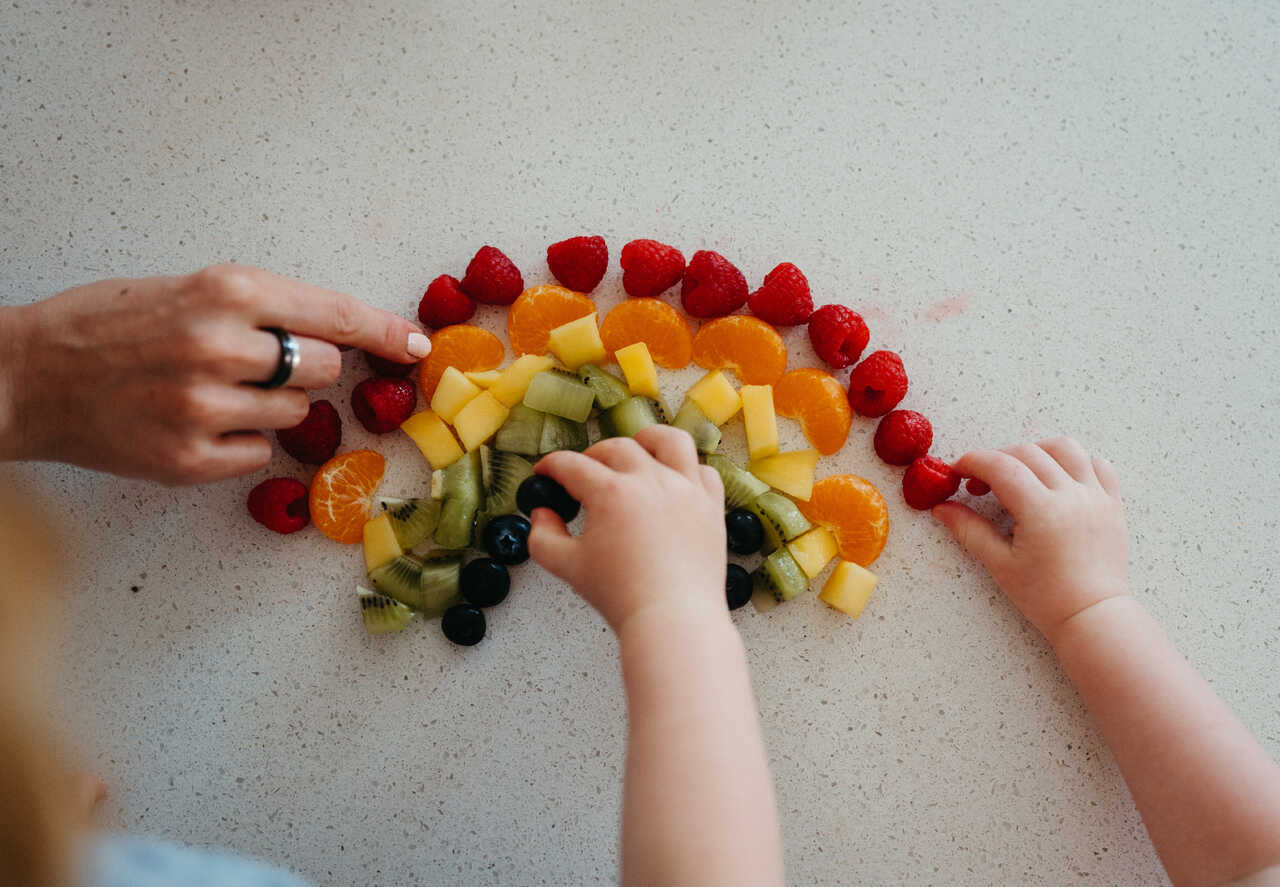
483,378
848,588
578,342
790,472
453,393
380,543
433,438
814,550
637,366
716,397
480,420
513,382
761,422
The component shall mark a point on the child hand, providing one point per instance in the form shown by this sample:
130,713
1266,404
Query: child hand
654,536
1069,549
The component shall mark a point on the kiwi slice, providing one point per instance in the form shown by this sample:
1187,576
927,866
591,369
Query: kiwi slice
741,487
459,490
560,393
381,614
706,435
500,476
412,520
780,575
628,417
781,518
522,432
608,388
561,434
438,587
399,578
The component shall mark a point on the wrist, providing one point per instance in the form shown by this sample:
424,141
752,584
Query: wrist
661,624
1103,613
15,420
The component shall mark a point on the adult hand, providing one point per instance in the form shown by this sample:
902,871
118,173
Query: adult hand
147,377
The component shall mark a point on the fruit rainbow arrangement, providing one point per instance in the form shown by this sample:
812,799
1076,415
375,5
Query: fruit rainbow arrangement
486,424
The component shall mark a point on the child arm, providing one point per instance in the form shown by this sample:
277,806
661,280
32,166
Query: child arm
1207,792
698,805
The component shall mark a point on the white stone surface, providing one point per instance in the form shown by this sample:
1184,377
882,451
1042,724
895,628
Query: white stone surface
1064,215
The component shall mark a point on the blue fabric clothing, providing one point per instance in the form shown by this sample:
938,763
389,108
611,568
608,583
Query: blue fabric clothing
127,861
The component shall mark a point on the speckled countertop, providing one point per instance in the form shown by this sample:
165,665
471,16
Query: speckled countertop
1064,217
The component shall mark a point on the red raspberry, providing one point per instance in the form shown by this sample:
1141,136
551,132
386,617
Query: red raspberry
382,404
315,439
650,268
838,335
445,303
977,487
929,481
712,286
784,299
579,262
492,278
877,384
280,504
389,368
902,437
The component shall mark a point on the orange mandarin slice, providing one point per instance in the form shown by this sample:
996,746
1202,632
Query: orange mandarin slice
820,403
855,513
461,345
656,324
744,344
540,309
342,494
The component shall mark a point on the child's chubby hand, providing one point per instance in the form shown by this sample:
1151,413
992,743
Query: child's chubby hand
654,537
1069,549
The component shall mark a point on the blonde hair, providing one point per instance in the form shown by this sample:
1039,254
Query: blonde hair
35,816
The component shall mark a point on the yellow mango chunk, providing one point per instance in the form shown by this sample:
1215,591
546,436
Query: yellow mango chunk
433,438
453,393
790,472
483,378
813,550
578,342
637,366
380,545
716,397
761,422
513,382
848,588
479,420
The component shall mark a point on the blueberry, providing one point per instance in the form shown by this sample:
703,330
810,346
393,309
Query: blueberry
737,586
745,532
540,491
506,539
485,582
463,625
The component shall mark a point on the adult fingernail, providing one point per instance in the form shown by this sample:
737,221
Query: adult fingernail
418,345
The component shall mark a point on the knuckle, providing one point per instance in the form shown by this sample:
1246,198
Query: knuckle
228,286
188,463
294,407
193,406
329,367
346,317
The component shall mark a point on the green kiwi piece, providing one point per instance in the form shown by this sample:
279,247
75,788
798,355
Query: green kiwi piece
741,487
438,588
781,518
608,388
781,576
500,476
413,520
706,436
400,578
522,432
381,614
561,434
459,490
560,393
628,417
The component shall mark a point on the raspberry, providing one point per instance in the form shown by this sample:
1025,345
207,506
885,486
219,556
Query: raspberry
492,278
650,268
877,384
783,299
579,262
977,487
902,437
929,481
280,504
838,335
444,303
712,286
389,368
315,439
382,404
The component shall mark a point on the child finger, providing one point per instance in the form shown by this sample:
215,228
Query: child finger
578,473
975,533
551,546
1013,483
712,482
1042,465
1072,457
1107,477
619,453
672,447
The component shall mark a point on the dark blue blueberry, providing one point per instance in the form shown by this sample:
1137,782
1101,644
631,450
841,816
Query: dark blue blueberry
485,582
744,531
737,586
463,624
506,539
540,491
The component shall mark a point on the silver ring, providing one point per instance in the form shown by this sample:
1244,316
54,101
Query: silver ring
288,363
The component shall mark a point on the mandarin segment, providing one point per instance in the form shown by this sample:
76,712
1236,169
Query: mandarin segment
820,404
746,345
462,346
540,309
653,322
342,494
854,511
